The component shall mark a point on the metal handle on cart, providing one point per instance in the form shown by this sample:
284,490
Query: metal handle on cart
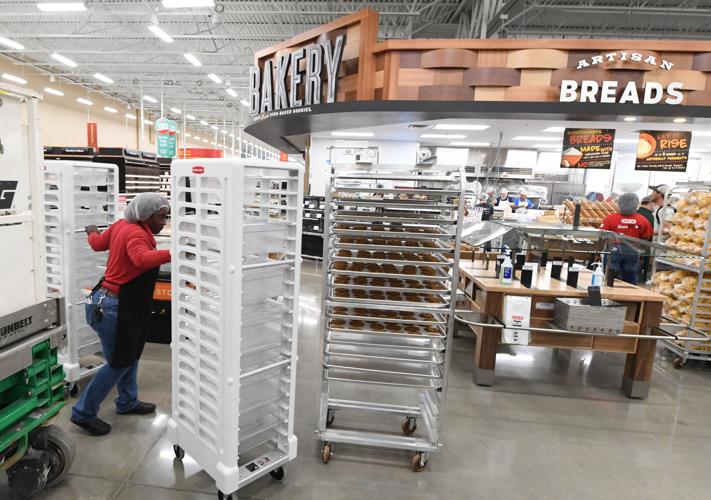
266,368
499,325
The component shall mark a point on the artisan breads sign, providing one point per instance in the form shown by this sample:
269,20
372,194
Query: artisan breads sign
587,148
278,85
612,91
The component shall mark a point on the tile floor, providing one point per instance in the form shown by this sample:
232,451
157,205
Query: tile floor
554,426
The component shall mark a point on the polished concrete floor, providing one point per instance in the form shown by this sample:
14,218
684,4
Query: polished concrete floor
555,426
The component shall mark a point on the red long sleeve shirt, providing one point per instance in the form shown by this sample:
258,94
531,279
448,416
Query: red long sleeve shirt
132,252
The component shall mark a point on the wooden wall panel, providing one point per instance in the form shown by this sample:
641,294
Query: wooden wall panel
449,58
492,58
632,65
490,93
494,77
692,80
536,77
415,77
702,62
449,77
538,58
541,94
379,80
597,74
409,59
408,93
699,98
446,93
680,60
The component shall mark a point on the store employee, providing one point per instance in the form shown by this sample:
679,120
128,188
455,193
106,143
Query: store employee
523,201
503,198
624,257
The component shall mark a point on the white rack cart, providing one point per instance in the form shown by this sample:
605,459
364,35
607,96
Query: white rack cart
391,255
77,194
236,228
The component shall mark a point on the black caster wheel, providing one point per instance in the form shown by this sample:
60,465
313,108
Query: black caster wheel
277,474
326,452
73,389
409,426
679,363
222,496
179,452
330,417
416,464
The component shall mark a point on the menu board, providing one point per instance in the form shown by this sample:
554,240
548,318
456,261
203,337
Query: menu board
663,151
587,148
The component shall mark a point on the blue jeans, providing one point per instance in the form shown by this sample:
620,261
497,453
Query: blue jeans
87,408
626,263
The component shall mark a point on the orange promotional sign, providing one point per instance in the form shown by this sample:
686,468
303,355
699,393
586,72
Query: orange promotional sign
283,156
92,135
162,291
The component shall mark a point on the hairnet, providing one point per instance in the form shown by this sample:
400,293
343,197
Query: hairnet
143,206
628,203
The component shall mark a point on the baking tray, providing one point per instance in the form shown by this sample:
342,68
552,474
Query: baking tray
400,234
374,274
411,204
403,190
390,248
334,374
369,217
438,321
400,336
389,340
441,262
381,353
354,286
392,303
378,368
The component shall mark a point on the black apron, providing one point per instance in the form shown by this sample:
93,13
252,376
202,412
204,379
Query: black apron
134,314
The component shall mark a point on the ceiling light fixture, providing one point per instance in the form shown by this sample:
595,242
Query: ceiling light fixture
81,100
13,78
187,4
554,129
190,117
64,60
203,123
187,136
554,146
214,78
244,103
224,132
232,135
443,136
11,44
130,116
61,6
214,127
679,120
460,126
352,134
471,144
103,78
150,99
109,109
630,119
232,92
52,91
176,111
148,122
534,138
158,32
192,59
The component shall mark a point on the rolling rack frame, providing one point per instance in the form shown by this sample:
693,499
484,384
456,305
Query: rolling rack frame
235,280
77,194
388,359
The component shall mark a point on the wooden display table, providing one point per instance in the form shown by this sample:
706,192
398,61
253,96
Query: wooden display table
486,294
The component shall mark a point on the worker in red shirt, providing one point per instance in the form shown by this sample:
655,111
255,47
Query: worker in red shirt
119,308
624,256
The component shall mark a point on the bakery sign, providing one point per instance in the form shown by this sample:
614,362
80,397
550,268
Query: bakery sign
276,86
613,91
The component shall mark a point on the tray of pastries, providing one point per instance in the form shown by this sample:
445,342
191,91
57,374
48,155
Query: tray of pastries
373,325
389,284
367,229
387,315
394,257
391,243
388,270
375,296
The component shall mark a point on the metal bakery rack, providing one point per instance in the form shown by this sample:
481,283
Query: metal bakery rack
77,194
697,322
391,254
236,238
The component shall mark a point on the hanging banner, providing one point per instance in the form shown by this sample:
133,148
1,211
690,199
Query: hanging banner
166,137
662,151
92,136
587,148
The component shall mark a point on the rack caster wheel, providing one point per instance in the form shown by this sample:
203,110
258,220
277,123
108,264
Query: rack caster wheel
73,389
326,452
416,464
277,474
409,426
330,417
179,452
222,496
679,363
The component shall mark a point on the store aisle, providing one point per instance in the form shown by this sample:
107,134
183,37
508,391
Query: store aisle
554,426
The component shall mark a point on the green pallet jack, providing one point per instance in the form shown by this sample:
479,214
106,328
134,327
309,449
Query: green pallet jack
35,454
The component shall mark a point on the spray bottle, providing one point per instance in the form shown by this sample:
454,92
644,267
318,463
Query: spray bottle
506,272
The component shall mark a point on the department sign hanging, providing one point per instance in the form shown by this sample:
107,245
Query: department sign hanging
277,86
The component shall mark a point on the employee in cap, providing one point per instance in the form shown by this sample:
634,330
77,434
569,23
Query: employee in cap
659,192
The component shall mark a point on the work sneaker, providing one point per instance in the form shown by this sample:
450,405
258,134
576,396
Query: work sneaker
141,408
96,427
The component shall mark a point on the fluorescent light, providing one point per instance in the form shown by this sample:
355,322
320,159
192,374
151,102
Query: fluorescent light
232,135
214,78
701,133
214,127
630,119
130,116
150,99
554,129
626,141
460,126
109,109
543,138
471,144
352,134
147,122
176,111
187,136
232,92
203,123
192,59
64,60
443,136
13,78
157,31
52,91
190,117
223,132
187,4
679,120
204,140
81,100
103,78
244,103
12,44
61,6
